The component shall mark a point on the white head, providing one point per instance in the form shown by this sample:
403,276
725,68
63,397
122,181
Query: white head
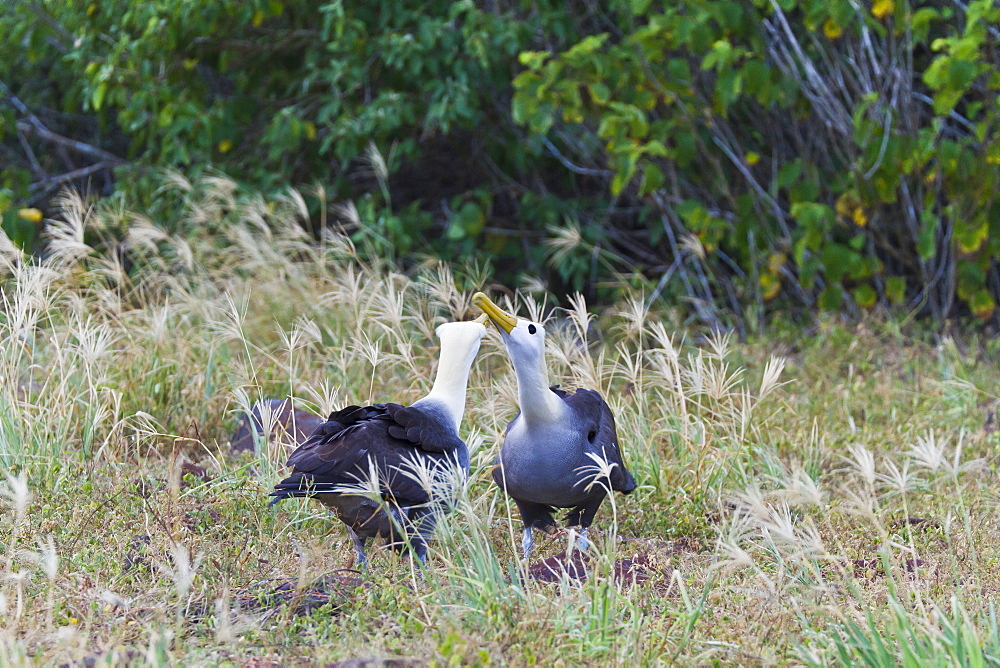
462,335
460,343
525,343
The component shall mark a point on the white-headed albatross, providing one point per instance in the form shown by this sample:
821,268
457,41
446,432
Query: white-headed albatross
394,441
547,459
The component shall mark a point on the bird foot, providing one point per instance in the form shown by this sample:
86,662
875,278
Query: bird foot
578,540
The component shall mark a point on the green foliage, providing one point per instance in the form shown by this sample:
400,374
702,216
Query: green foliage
360,97
954,640
789,120
747,156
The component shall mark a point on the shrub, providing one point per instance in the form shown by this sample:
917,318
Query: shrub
748,157
828,154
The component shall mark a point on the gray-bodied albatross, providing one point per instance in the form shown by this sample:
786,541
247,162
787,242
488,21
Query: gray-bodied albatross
547,459
394,442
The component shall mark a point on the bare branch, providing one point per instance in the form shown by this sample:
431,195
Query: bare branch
78,146
34,125
53,182
36,167
569,165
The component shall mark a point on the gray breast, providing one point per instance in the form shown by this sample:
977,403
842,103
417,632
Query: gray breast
543,465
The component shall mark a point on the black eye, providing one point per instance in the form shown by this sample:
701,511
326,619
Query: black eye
532,329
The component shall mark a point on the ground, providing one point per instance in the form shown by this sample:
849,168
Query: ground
804,498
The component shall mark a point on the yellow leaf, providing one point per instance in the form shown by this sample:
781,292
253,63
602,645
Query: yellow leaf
844,205
190,63
31,215
970,243
310,129
225,146
770,286
776,261
258,18
859,217
752,158
883,8
984,309
92,8
832,30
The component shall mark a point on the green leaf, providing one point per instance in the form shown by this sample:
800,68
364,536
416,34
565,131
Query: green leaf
864,296
599,93
936,75
678,70
533,60
585,47
831,298
971,278
895,289
652,179
790,173
982,304
926,246
97,96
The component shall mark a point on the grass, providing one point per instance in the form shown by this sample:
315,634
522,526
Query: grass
819,500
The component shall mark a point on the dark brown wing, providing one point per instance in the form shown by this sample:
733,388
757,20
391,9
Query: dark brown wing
595,416
341,450
423,428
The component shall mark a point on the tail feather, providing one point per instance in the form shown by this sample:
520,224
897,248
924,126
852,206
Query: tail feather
626,486
298,485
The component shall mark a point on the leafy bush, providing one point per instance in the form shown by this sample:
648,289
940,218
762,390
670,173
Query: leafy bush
745,156
834,153
278,92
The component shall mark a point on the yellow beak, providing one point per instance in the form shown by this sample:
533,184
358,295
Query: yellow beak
500,318
482,320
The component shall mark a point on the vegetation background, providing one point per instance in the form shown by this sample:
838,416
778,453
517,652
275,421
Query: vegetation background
745,157
281,199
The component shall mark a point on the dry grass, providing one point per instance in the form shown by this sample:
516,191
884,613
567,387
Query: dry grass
835,503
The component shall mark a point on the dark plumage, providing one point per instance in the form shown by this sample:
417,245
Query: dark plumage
391,437
561,450
413,453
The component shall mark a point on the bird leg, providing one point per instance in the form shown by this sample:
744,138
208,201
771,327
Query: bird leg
360,559
397,522
423,521
577,539
527,543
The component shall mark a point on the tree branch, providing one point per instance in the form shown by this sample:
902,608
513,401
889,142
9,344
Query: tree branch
78,146
36,167
67,36
34,125
53,182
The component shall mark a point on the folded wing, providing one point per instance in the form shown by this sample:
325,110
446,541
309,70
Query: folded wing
342,450
595,417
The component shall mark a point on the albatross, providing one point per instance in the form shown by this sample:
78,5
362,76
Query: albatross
561,450
403,449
